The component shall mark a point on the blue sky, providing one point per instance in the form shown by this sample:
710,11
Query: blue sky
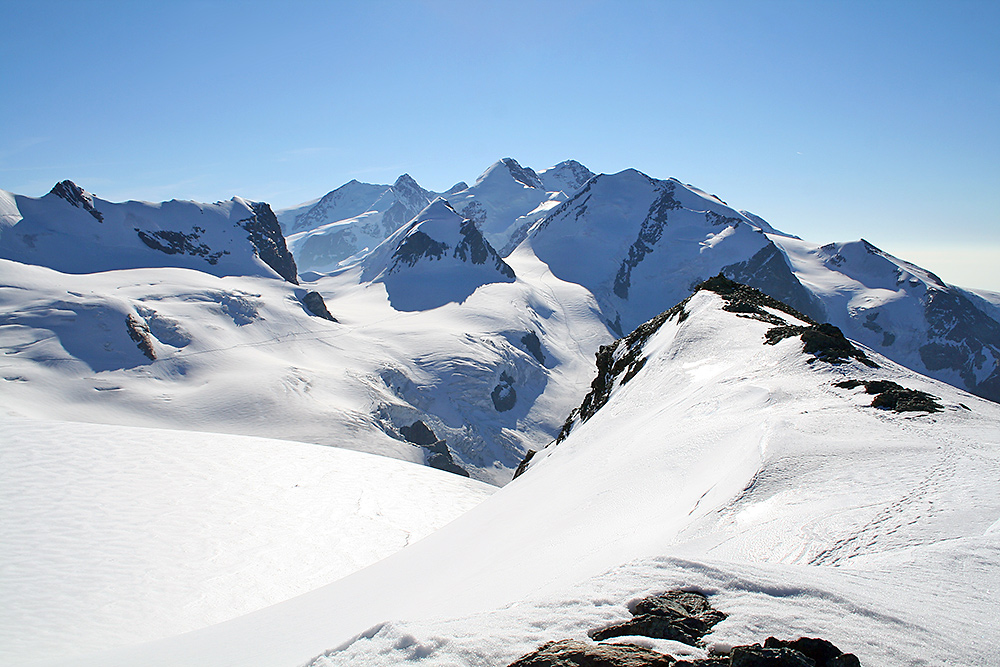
832,120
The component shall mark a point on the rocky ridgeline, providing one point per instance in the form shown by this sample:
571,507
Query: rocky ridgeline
685,617
619,362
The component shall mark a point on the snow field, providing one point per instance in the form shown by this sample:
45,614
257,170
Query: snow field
114,535
725,465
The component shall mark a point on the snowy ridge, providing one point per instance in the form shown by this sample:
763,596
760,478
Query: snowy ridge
903,311
72,231
725,464
629,229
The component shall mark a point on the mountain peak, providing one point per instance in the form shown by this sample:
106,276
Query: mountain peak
76,196
405,181
568,176
508,166
451,255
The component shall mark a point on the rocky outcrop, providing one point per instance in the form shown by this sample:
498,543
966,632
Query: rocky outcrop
138,331
504,396
314,303
178,243
533,345
438,454
78,197
649,235
681,616
824,341
570,653
685,617
523,465
891,396
268,241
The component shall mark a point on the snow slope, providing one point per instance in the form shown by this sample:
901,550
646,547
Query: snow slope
112,535
718,463
243,355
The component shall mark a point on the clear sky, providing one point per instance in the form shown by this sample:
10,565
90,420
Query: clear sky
831,120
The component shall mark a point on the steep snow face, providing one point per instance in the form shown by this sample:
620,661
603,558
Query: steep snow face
114,535
72,231
640,244
903,311
327,240
440,257
567,176
9,215
723,463
504,202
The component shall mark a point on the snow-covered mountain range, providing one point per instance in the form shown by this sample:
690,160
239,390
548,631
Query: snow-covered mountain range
727,444
489,349
727,454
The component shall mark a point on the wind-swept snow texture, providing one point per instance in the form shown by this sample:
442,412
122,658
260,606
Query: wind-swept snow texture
112,535
724,465
72,231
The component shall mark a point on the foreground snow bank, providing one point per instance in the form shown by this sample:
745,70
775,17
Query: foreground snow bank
113,535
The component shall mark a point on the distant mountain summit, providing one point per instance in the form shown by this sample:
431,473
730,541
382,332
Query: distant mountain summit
638,244
72,231
353,218
437,258
504,202
567,176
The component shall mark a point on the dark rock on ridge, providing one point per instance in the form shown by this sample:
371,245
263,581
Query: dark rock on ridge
78,197
523,465
891,396
314,303
268,241
824,341
574,653
768,271
678,615
179,243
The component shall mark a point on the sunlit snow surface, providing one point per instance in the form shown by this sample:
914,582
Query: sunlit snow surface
725,465
113,535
